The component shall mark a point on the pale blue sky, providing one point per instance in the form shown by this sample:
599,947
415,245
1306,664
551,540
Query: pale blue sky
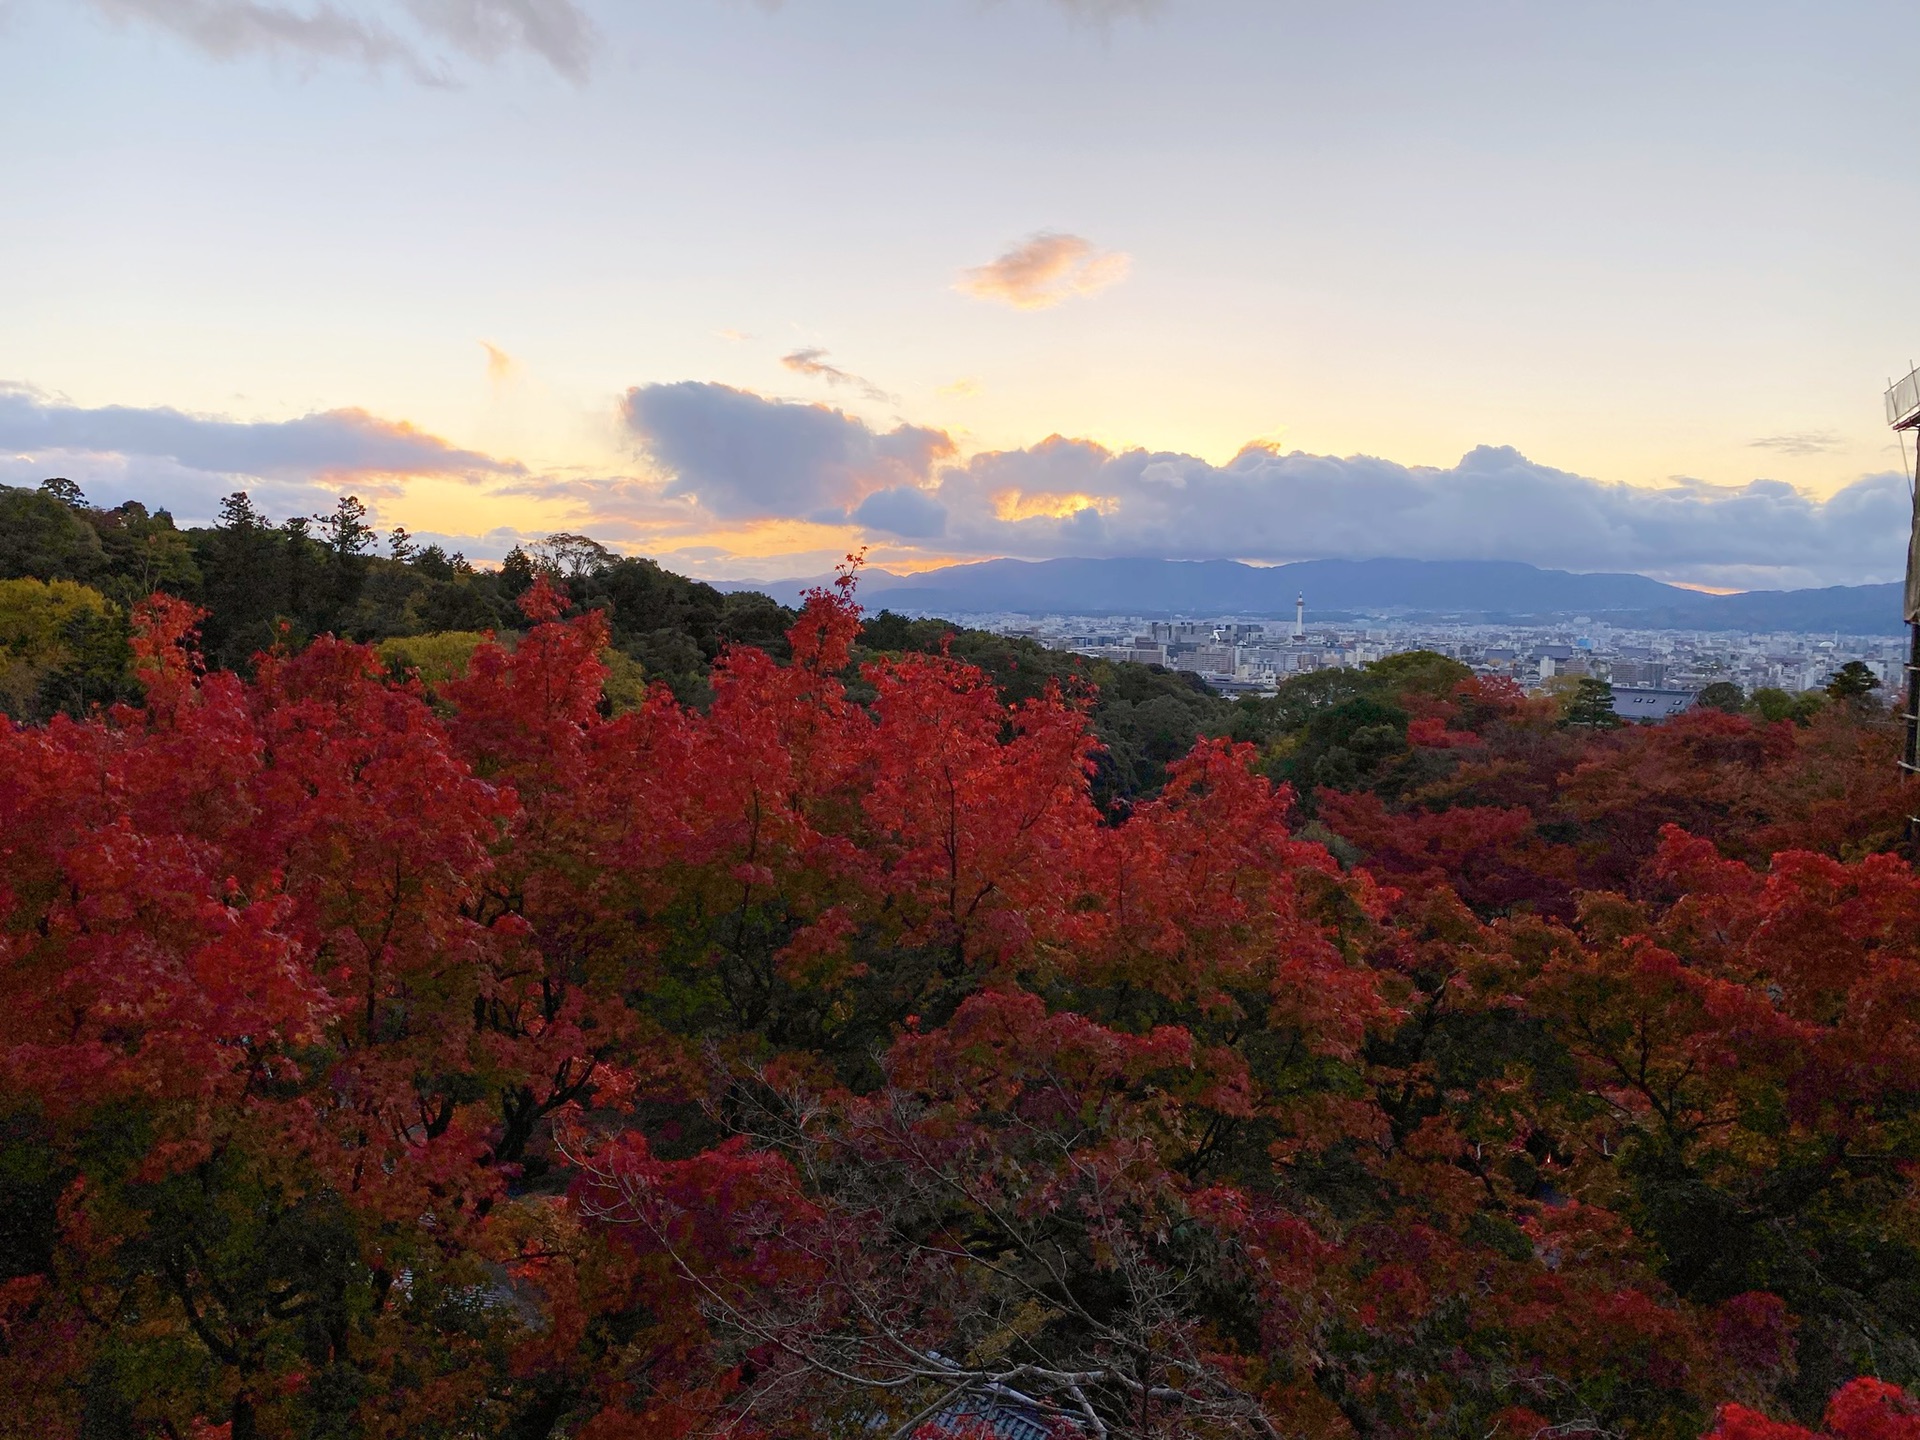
1629,240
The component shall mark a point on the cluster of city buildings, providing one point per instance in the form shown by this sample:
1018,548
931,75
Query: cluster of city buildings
1653,673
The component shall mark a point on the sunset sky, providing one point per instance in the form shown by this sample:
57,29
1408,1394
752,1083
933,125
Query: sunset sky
745,285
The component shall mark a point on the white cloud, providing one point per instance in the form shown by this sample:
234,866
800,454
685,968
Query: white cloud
414,35
723,459
193,496
187,462
331,442
903,511
555,30
1043,270
741,455
410,35
1799,443
1495,504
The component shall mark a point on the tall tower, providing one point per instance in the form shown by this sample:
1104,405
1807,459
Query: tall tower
1300,618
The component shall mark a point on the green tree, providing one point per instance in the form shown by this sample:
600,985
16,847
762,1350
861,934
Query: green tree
348,538
516,573
42,537
145,553
462,600
1772,704
65,491
346,531
1722,695
1852,681
436,564
1349,746
1419,672
1591,704
571,558
1262,719
749,618
63,647
303,563
435,658
243,560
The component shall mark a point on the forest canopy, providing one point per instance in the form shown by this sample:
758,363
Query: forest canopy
565,1001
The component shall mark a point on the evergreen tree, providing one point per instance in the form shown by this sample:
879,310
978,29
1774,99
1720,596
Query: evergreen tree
516,573
1852,681
243,565
1591,705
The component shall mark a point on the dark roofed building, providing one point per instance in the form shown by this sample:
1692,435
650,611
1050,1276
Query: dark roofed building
1634,702
1003,1414
1000,1422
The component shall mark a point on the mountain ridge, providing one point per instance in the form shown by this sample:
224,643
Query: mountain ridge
1492,590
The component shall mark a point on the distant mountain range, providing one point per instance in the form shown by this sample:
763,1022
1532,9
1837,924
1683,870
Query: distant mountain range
1468,590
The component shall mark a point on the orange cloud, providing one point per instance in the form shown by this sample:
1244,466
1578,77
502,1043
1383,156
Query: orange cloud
812,361
1040,504
1043,270
501,366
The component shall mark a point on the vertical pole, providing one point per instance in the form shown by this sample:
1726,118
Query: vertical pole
1910,612
1910,752
1910,759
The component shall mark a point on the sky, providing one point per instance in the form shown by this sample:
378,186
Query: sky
744,285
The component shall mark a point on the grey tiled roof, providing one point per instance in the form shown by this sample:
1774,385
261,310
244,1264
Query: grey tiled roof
1003,1420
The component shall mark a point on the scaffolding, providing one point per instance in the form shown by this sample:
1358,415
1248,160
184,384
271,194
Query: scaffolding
1903,414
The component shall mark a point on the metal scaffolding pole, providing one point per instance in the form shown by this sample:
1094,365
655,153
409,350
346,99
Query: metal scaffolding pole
1903,414
1910,757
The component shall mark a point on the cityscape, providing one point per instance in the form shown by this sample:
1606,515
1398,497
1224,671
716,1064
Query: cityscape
1654,673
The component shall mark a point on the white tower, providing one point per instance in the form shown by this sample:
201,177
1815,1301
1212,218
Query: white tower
1300,618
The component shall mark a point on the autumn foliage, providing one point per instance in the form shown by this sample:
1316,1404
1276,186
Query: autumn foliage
380,1058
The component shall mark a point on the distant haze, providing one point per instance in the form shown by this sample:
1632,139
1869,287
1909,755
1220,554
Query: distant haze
1469,590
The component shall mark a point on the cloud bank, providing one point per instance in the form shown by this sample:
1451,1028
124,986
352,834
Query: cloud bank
330,443
415,37
411,35
160,455
1043,270
739,455
729,482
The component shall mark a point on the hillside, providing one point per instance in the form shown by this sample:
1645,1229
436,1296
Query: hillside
71,573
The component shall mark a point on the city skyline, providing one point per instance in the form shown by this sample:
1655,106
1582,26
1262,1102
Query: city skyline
745,286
